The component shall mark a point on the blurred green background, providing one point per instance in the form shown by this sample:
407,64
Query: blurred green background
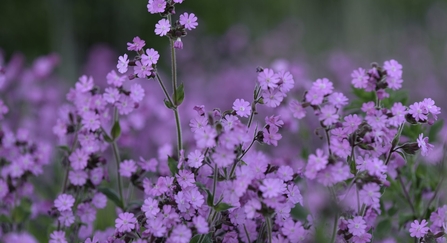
373,29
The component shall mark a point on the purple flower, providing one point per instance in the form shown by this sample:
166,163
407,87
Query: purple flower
150,208
111,95
114,79
182,202
338,100
64,202
197,123
4,190
418,111
125,222
242,107
156,6
84,84
180,234
418,230
393,68
185,179
78,159
136,45
271,135
66,218
323,85
201,225
136,92
189,21
223,157
370,194
272,97
3,109
78,178
359,78
162,27
315,96
86,213
394,83
178,44
318,161
99,200
267,79
123,62
328,115
125,105
297,109
195,159
357,226
364,238
150,58
194,197
57,237
398,111
272,188
285,173
424,145
127,168
90,121
251,206
205,137
141,70
286,82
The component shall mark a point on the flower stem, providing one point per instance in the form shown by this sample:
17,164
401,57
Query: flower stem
179,131
407,196
163,87
334,229
116,154
268,221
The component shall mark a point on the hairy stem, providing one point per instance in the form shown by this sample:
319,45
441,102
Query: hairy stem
334,229
407,196
163,87
268,221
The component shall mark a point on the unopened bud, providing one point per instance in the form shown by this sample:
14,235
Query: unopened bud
410,148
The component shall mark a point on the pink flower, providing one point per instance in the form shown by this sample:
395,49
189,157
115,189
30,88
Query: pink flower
286,82
370,194
272,97
58,237
195,159
114,79
125,222
66,218
359,78
162,27
156,6
285,173
185,178
64,202
251,206
123,62
178,44
205,137
318,161
418,111
150,208
99,200
424,145
297,109
267,79
242,107
125,105
394,83
201,225
189,21
223,156
150,58
78,178
418,230
141,70
271,135
90,121
393,68
272,188
136,92
357,226
328,115
180,234
194,197
111,95
315,96
84,84
338,100
78,159
136,45
323,85
127,168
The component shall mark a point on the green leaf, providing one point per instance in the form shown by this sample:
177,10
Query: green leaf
222,207
172,163
196,239
107,138
363,95
116,130
434,130
168,104
384,227
5,219
209,198
22,212
112,195
64,148
134,204
180,95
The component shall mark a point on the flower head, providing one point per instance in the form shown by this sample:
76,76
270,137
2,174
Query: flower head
189,21
125,222
162,27
418,230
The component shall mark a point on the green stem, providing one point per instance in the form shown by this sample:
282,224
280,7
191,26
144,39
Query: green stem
407,196
73,145
268,221
163,87
179,132
116,154
233,168
334,229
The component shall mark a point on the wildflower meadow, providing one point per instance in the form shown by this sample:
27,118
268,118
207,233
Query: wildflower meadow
155,151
